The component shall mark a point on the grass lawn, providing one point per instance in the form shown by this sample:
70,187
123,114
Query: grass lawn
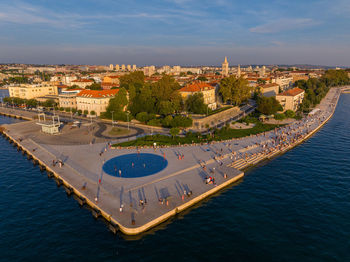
223,134
116,131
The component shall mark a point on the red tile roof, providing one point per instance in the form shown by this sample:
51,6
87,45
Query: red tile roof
292,92
113,76
83,80
98,93
196,87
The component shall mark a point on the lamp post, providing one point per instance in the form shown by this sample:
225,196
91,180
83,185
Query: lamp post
112,119
127,119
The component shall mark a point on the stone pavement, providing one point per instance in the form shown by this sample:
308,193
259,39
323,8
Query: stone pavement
145,199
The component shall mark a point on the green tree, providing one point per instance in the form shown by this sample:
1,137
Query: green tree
117,103
181,121
32,103
289,113
154,122
174,131
166,108
166,89
134,78
166,122
49,103
18,80
202,78
143,101
268,105
86,112
94,86
142,117
92,112
261,81
236,90
195,104
280,116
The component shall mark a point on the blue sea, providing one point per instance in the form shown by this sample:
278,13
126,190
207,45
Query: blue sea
295,207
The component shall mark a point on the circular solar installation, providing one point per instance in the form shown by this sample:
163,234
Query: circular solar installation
135,165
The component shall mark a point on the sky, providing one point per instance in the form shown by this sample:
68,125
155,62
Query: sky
175,32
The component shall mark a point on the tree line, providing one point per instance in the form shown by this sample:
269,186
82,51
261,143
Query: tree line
158,104
316,89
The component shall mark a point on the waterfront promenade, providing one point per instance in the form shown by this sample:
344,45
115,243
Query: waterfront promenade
181,184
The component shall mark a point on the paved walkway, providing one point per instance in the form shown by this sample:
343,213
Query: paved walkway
134,202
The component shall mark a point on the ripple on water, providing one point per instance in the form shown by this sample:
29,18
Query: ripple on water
295,207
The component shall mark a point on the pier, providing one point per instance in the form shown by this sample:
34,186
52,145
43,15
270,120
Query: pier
135,204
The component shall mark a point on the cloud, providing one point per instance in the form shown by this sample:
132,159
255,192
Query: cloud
186,55
285,24
26,14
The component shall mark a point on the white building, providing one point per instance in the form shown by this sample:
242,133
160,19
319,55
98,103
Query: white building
27,91
95,100
285,82
149,70
291,99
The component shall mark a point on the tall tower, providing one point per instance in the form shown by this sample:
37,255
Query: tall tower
225,67
239,71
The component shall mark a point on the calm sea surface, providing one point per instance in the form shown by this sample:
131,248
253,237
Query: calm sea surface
293,208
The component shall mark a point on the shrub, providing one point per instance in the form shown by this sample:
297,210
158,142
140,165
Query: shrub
181,121
152,116
166,122
279,116
154,122
142,117
290,114
174,131
120,116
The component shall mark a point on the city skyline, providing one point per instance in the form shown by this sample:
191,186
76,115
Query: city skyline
185,32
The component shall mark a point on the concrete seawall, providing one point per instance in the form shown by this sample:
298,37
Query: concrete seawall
73,188
97,211
248,163
16,116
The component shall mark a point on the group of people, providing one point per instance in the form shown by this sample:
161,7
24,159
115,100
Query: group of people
283,137
59,162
